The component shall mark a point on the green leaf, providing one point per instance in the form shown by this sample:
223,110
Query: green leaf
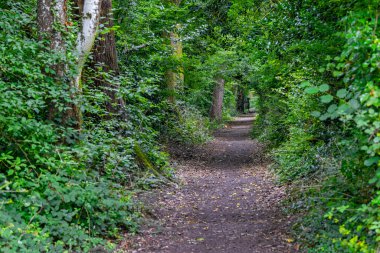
342,93
344,109
326,99
354,104
312,90
332,108
324,88
315,114
324,117
337,73
373,180
342,209
305,84
371,161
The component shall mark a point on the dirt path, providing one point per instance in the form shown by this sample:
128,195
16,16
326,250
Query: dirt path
227,203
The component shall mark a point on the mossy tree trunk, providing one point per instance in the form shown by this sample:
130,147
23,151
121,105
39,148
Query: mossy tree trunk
175,74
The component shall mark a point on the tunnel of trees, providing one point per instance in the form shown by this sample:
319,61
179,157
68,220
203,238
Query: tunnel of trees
92,92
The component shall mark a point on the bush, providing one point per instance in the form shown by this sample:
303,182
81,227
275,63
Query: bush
318,111
187,126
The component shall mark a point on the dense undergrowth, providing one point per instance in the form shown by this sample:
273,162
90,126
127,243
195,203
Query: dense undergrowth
316,77
64,190
313,67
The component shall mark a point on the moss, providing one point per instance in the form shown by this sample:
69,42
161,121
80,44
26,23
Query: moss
143,160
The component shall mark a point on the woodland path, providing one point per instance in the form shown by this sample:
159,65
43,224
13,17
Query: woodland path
227,201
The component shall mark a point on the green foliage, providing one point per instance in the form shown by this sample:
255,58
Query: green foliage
64,190
314,67
200,80
60,189
187,126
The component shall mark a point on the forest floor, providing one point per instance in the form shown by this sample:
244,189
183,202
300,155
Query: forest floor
227,201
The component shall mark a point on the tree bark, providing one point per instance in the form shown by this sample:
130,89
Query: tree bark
50,12
216,111
45,18
85,42
105,58
175,76
86,36
240,103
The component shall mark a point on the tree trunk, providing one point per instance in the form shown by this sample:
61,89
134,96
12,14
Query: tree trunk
54,12
50,12
105,57
85,42
175,76
216,111
86,36
240,103
45,18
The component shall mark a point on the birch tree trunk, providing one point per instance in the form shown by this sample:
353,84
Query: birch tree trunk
86,36
216,111
105,57
54,12
90,10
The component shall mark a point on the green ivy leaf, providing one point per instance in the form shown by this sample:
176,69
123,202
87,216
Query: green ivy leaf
326,99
